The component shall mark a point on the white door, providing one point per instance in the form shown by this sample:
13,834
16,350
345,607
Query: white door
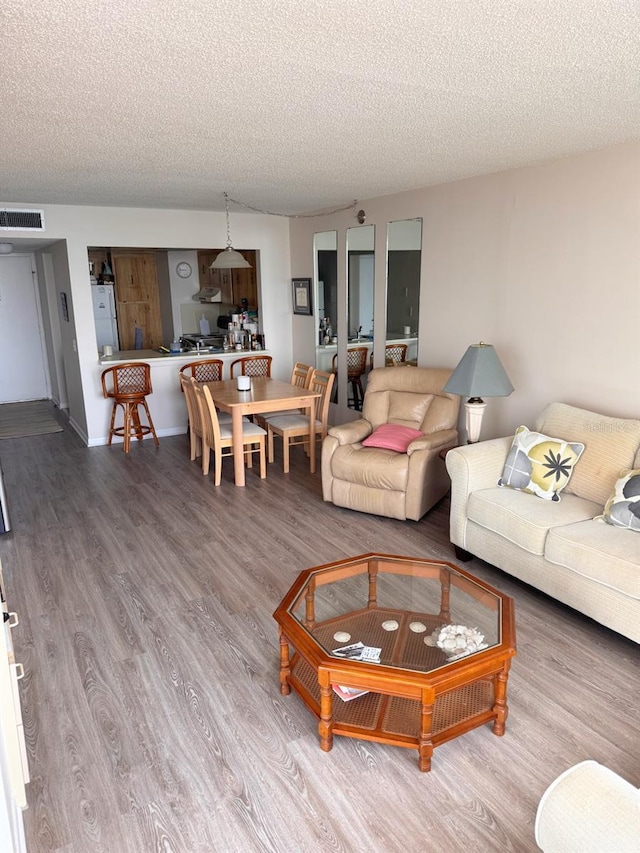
23,375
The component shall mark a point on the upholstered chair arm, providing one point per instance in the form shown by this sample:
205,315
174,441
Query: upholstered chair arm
351,432
434,441
472,467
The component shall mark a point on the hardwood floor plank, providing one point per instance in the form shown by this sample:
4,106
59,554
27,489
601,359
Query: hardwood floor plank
151,703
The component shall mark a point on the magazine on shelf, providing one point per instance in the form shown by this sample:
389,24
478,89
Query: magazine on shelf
348,693
358,651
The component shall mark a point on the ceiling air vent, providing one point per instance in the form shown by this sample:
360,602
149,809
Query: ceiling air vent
21,220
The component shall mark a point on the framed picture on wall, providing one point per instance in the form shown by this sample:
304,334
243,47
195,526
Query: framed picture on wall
301,295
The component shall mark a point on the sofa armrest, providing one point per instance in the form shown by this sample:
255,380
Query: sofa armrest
351,432
434,441
588,809
472,467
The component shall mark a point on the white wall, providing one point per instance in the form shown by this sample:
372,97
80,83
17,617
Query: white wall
542,262
182,231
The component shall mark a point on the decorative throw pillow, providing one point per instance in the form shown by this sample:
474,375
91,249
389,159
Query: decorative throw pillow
392,437
540,464
623,507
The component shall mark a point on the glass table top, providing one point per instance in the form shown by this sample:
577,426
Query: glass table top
411,614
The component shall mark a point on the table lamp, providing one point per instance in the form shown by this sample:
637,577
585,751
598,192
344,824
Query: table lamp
479,374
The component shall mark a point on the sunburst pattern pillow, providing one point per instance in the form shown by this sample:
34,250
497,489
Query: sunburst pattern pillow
623,507
540,464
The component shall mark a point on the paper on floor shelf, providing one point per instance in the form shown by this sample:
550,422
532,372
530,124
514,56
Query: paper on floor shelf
348,693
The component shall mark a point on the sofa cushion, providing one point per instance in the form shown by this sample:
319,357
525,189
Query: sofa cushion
603,553
539,464
623,507
392,437
611,444
369,466
523,519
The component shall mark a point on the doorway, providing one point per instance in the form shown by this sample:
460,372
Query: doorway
24,375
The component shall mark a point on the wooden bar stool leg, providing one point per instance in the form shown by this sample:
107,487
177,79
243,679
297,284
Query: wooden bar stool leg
111,425
127,427
136,425
151,426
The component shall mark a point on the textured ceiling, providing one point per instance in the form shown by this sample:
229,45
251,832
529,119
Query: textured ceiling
299,105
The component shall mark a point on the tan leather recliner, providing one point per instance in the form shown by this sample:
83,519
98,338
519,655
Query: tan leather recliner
385,482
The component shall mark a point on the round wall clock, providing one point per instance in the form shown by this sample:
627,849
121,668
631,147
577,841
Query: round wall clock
184,269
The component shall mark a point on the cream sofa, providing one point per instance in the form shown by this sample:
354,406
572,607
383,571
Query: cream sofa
589,809
556,547
386,482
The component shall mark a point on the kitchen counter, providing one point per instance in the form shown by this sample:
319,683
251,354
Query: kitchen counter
152,355
325,352
166,402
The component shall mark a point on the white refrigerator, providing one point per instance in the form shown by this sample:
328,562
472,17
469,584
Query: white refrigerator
104,312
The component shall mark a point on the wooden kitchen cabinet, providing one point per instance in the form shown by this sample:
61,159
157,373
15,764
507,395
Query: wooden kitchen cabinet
234,284
137,299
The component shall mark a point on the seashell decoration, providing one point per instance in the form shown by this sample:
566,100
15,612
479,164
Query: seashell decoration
417,627
341,637
390,625
456,640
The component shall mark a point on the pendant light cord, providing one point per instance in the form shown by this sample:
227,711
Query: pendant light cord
333,210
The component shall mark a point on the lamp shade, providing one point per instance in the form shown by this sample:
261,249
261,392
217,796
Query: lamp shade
229,259
479,374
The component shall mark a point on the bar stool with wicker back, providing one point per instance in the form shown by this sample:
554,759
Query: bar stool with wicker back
251,365
207,370
393,354
130,384
356,368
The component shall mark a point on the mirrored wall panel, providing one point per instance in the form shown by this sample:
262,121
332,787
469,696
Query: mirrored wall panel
404,250
360,290
325,247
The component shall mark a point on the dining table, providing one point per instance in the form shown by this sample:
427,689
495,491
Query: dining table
264,395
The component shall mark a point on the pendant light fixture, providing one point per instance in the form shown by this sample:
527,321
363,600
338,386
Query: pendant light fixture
229,258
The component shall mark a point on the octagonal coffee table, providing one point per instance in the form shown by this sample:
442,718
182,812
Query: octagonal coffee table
407,687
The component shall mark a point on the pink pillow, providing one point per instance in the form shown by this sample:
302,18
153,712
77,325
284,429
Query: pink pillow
392,437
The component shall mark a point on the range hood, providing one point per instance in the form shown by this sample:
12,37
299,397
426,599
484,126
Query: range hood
208,294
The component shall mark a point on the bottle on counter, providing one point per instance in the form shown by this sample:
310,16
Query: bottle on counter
174,346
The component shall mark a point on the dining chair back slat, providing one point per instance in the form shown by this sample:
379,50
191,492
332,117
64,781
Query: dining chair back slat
193,412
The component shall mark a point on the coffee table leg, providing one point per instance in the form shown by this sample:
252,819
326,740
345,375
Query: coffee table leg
500,708
425,746
325,726
285,665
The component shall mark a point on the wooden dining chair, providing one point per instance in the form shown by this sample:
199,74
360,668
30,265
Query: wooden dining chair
294,428
193,412
301,378
217,437
251,365
128,385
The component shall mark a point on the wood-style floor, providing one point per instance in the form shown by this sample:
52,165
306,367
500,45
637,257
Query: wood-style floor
151,702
